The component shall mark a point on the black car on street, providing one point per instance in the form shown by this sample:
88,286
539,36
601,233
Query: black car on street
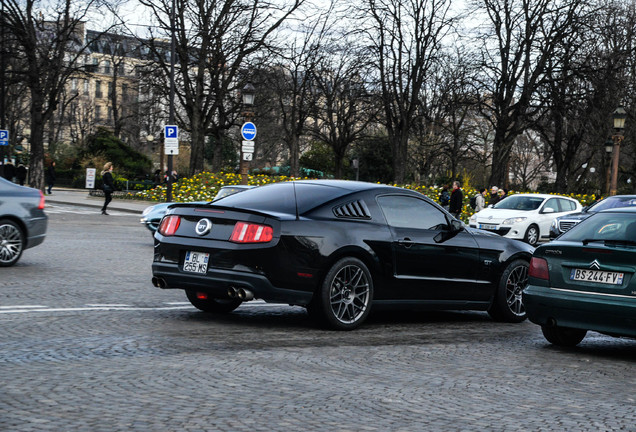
338,248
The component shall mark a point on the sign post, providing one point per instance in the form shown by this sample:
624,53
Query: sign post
90,178
171,147
248,132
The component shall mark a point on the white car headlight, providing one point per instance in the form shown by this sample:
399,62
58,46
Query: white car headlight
146,210
555,223
514,220
473,219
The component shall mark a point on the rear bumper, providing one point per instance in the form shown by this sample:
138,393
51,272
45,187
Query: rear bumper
216,283
37,231
614,315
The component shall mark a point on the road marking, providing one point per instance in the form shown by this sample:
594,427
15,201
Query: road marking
62,209
23,307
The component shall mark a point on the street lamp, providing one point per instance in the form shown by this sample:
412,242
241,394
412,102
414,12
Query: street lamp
619,125
247,95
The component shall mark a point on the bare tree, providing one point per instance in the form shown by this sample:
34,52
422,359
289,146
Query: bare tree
344,109
519,38
50,42
405,38
215,42
291,79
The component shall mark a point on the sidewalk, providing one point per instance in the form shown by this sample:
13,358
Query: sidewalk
81,197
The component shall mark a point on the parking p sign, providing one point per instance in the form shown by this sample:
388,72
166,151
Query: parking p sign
4,137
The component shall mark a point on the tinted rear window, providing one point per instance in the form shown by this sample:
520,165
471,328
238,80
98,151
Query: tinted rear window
281,197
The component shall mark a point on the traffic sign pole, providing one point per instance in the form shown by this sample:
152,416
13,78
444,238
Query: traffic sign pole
248,132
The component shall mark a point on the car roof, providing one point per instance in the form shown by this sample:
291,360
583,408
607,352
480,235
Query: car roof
541,195
351,185
619,210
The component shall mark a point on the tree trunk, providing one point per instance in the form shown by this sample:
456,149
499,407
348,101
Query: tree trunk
36,164
294,156
197,137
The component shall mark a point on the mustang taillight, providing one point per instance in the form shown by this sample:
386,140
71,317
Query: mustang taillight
169,225
245,232
539,269
41,205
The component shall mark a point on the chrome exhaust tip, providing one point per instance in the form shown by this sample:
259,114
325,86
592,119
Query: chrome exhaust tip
158,282
245,295
232,292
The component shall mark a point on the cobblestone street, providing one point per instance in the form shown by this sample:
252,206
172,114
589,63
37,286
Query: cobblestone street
88,344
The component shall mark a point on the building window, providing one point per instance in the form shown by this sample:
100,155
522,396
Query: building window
86,85
110,89
106,66
98,89
98,113
124,92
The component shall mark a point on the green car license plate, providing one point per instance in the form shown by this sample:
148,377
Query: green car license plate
196,262
598,276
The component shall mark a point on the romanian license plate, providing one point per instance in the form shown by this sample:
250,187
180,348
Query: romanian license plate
488,226
604,277
196,262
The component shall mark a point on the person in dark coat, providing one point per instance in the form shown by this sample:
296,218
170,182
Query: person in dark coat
21,174
50,176
456,200
9,171
108,185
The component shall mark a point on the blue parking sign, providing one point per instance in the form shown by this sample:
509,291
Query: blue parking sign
4,137
171,132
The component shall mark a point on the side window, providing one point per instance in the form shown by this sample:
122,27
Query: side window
567,205
410,212
553,203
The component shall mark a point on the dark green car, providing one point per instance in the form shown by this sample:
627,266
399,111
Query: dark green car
584,280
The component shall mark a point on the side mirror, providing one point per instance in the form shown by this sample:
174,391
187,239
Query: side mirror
547,210
456,225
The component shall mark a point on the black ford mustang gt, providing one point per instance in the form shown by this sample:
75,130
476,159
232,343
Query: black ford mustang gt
337,248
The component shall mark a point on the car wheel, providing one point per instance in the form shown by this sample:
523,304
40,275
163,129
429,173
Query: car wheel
11,243
532,235
212,304
345,295
563,336
507,306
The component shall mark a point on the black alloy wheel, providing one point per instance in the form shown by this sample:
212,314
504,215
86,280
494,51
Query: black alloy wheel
507,305
213,305
563,336
345,296
11,242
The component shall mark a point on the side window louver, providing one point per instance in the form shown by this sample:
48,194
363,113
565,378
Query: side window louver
352,210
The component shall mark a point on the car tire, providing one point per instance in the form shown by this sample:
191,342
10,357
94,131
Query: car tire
563,336
345,296
12,241
213,305
507,305
532,235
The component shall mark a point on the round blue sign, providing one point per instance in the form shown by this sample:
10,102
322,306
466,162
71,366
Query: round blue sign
248,131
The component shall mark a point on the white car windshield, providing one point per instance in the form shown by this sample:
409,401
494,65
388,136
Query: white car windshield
520,202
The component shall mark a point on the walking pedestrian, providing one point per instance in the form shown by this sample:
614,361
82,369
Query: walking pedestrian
444,197
494,198
481,200
50,177
21,174
108,185
456,200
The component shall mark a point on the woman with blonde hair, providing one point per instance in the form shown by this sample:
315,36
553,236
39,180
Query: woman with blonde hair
108,185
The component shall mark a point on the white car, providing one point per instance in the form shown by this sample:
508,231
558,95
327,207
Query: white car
524,217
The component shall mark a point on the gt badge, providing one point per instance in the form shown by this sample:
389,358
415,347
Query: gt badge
203,227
